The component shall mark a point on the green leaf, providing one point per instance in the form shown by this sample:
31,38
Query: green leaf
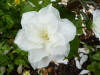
1,13
74,45
78,24
4,5
95,63
10,68
96,56
89,24
66,13
1,73
26,7
3,60
8,20
94,67
19,61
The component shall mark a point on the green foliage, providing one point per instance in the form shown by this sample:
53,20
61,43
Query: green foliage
1,73
95,65
25,7
89,24
3,60
66,13
96,56
74,45
78,24
88,21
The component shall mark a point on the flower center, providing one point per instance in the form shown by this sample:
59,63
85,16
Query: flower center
44,35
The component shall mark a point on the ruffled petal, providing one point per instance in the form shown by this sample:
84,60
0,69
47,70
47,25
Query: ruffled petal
68,29
27,19
29,25
38,58
57,45
60,50
96,21
49,17
24,43
49,10
57,58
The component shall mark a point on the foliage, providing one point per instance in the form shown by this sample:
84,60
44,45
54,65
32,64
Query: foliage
95,65
74,45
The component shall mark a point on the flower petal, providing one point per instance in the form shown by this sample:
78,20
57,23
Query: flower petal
68,29
49,10
23,43
57,45
57,58
27,18
60,50
49,17
42,63
38,58
96,23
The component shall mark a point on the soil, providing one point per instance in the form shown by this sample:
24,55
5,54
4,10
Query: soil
55,69
89,38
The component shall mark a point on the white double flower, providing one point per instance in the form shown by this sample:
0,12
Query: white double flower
45,36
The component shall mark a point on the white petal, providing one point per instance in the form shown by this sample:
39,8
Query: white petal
96,17
84,72
78,65
60,50
56,58
83,59
56,40
19,69
23,43
68,29
96,23
81,54
58,45
63,61
27,18
37,57
49,17
97,35
50,10
83,50
43,62
29,25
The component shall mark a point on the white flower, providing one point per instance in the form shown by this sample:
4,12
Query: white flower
96,23
45,36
